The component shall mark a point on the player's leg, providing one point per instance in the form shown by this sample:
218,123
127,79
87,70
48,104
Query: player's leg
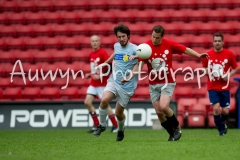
103,111
215,103
119,111
225,104
173,122
123,98
112,118
111,115
164,122
91,92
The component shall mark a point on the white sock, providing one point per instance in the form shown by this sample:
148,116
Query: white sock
121,124
102,116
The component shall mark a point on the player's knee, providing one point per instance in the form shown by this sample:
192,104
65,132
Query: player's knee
87,102
104,103
163,108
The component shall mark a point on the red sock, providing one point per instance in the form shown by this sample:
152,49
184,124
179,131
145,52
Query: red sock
113,120
94,118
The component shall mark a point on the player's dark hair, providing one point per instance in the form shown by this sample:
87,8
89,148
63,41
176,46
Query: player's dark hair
158,29
122,28
218,34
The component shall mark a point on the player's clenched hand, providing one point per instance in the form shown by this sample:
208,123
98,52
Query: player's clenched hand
123,81
203,55
133,57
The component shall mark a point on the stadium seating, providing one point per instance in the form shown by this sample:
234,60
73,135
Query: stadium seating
12,93
50,93
31,93
196,116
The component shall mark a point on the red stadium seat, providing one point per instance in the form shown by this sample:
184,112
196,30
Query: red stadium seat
223,3
33,43
199,92
183,92
62,5
16,18
136,4
83,4
61,56
82,92
153,4
142,92
31,93
34,17
116,5
124,16
69,93
4,18
7,56
62,29
88,16
8,31
196,116
12,93
181,114
9,6
79,82
205,4
100,4
5,82
60,82
42,30
51,42
73,42
107,16
52,17
15,43
19,82
24,56
80,55
187,102
26,6
82,29
40,82
42,56
24,30
160,15
44,5
70,17
100,28
50,93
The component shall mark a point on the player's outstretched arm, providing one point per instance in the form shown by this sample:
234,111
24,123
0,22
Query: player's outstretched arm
193,53
135,71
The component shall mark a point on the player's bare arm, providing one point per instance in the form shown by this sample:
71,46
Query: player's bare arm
134,72
193,53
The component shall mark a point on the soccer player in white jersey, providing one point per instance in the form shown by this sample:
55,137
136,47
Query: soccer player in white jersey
123,50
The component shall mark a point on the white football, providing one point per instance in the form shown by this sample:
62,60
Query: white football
144,51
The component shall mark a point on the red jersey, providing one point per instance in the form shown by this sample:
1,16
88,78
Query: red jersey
219,63
96,58
162,57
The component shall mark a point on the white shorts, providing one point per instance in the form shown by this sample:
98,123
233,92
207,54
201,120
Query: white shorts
95,91
122,96
156,90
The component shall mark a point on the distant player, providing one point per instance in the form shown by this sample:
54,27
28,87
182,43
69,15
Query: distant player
123,50
162,86
97,56
221,62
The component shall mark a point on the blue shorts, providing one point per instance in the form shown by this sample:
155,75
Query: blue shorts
222,97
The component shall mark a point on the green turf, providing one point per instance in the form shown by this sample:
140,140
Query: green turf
195,144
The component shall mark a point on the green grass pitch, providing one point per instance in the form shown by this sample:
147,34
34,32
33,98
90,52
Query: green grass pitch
138,144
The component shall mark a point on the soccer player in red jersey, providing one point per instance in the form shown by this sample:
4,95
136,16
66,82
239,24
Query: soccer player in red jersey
220,66
96,87
161,82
